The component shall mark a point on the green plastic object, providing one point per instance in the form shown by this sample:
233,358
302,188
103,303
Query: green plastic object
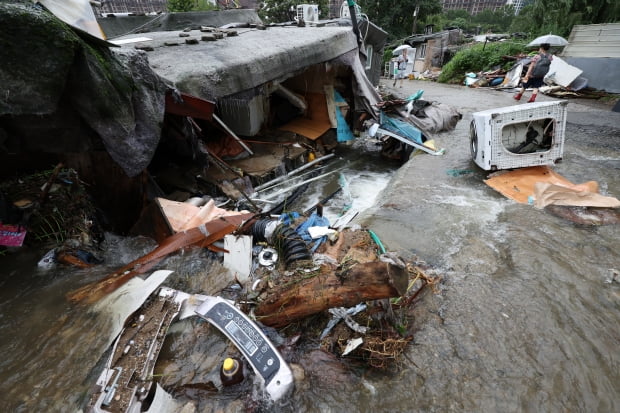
377,241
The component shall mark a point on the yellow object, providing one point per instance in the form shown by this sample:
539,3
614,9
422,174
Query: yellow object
430,144
411,76
311,157
229,365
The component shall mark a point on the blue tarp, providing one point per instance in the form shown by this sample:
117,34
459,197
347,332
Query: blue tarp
401,128
343,131
313,221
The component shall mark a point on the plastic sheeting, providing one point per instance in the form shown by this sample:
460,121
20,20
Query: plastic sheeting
513,77
344,133
366,96
401,128
76,13
313,221
438,117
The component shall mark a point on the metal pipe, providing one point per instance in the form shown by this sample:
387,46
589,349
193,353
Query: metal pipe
291,97
283,191
356,30
272,187
232,134
294,171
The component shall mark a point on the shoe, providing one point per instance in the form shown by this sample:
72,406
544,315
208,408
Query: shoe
518,96
532,99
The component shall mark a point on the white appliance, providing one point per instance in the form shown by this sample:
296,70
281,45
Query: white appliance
518,136
308,12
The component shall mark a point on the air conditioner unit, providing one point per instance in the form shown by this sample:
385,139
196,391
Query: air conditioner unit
518,136
308,12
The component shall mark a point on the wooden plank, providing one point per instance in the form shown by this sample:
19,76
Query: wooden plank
317,120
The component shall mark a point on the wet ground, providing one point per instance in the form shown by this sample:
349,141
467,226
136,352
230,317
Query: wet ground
525,320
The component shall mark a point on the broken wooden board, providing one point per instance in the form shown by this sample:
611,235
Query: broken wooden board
317,120
202,236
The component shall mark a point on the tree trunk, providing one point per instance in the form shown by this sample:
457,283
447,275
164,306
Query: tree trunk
341,288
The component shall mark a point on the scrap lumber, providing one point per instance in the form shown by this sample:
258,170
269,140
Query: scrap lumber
344,287
201,236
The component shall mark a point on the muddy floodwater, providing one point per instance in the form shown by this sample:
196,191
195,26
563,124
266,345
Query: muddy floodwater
527,317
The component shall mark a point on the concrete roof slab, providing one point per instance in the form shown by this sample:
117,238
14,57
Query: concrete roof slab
214,69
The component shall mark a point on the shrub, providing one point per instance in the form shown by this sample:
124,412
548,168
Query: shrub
478,58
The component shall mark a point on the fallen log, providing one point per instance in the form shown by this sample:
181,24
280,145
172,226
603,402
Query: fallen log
201,236
344,287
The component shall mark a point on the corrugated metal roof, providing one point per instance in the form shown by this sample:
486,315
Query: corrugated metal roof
594,40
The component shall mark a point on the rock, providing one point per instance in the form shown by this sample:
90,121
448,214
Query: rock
37,54
88,93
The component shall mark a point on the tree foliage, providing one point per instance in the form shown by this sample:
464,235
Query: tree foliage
495,21
396,16
559,16
278,11
479,58
190,5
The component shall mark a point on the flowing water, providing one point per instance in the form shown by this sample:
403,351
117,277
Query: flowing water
526,318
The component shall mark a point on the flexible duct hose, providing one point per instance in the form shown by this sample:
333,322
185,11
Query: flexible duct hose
288,242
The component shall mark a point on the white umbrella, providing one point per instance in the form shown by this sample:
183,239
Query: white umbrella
400,49
550,39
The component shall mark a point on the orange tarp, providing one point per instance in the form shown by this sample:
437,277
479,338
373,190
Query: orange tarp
316,122
521,183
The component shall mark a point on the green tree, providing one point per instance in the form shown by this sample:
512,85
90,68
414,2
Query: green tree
190,5
477,58
559,16
496,21
396,16
278,11
180,5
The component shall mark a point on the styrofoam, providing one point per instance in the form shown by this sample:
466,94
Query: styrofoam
492,131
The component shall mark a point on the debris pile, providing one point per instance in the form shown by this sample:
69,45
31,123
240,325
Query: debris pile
562,81
55,212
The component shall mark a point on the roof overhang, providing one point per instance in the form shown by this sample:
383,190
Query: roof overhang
214,69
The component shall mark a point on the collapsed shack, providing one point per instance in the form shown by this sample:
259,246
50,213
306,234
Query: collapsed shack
105,111
114,126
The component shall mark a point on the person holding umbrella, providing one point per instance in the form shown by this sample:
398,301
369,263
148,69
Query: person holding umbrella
538,68
400,66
